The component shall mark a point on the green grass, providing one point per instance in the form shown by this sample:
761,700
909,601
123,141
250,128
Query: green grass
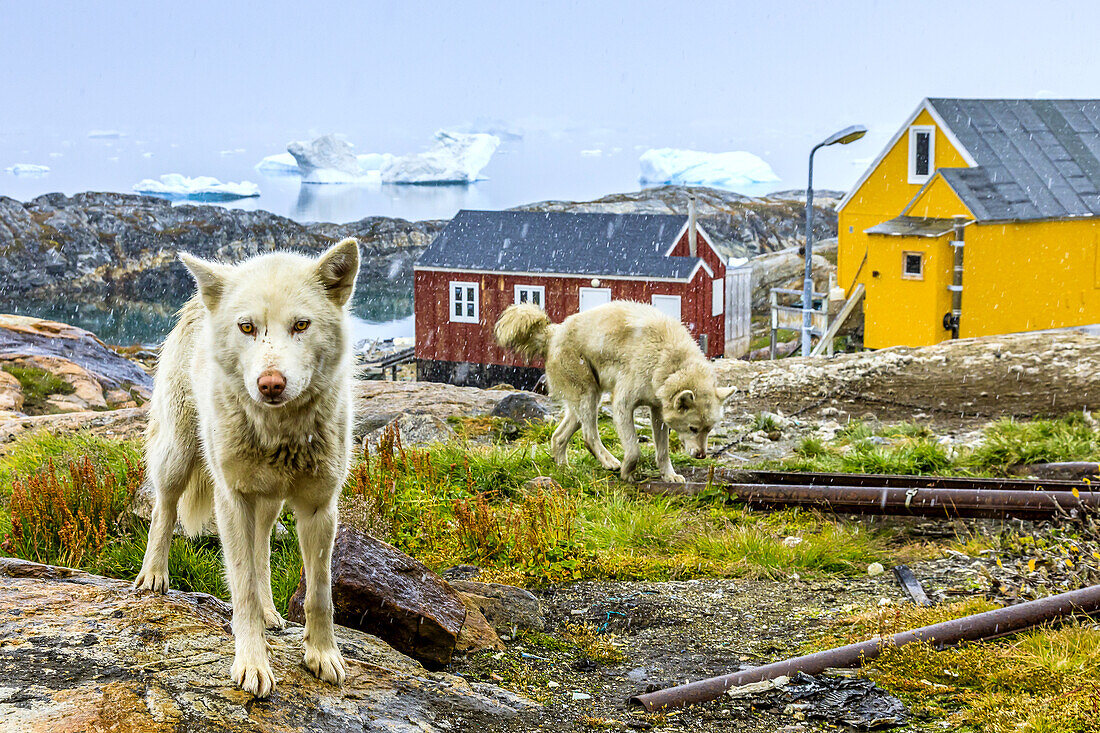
1042,681
911,448
37,384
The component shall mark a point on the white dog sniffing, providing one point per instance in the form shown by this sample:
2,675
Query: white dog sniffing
251,408
639,355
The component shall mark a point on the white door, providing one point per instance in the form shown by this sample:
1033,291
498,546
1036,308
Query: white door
669,305
738,311
592,297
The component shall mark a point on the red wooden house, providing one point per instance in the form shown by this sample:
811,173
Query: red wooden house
484,261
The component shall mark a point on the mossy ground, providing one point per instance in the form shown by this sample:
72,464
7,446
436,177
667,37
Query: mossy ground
37,385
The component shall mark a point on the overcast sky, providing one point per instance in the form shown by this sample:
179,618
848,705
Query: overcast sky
775,75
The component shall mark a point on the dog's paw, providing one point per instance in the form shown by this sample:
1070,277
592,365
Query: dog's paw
272,619
152,580
326,664
256,678
611,463
673,478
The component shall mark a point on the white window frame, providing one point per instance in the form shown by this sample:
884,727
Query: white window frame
717,297
530,289
582,291
451,301
679,304
913,132
908,275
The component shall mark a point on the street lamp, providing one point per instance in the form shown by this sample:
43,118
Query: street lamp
845,136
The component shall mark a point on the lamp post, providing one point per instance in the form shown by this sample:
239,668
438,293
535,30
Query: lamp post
845,136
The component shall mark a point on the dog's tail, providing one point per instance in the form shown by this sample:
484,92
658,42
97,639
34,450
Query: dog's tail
524,328
196,504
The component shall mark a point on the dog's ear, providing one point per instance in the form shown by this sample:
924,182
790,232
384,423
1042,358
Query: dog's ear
725,392
338,268
209,276
684,400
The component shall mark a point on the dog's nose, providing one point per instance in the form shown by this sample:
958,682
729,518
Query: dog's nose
701,453
271,383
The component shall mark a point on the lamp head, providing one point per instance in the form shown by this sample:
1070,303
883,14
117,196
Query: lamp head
847,135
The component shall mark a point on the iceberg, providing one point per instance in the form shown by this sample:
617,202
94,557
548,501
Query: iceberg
455,158
695,168
104,134
327,159
199,188
28,169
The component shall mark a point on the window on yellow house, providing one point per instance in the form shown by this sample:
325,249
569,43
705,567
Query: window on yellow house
912,265
922,153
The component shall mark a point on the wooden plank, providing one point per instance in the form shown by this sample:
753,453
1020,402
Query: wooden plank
845,312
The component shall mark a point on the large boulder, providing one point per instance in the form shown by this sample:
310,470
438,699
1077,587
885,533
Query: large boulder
80,652
785,269
506,607
522,408
379,589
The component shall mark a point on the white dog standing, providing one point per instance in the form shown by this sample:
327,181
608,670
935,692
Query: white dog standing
639,355
251,408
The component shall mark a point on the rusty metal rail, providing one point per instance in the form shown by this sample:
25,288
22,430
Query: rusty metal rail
915,501
979,627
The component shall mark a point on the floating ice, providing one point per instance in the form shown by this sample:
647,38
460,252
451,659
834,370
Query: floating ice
455,158
28,169
694,168
104,134
595,153
199,188
280,164
327,159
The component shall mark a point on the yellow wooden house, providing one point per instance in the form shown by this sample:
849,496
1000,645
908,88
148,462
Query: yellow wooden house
988,208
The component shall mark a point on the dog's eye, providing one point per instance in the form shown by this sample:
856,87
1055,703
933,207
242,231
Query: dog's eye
246,328
301,325
694,429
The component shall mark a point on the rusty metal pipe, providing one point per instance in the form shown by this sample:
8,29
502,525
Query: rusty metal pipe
915,501
978,627
879,480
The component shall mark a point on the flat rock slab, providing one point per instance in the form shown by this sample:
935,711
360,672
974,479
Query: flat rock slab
379,402
80,652
379,589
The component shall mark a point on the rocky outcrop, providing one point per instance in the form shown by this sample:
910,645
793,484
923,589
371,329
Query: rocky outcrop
379,589
1023,375
125,423
741,226
92,375
96,245
79,652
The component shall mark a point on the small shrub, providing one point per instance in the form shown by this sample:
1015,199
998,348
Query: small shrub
67,519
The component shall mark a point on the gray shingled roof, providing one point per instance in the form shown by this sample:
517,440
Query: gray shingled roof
913,226
630,245
1037,158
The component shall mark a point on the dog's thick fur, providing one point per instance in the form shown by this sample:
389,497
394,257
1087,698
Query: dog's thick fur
640,356
217,442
